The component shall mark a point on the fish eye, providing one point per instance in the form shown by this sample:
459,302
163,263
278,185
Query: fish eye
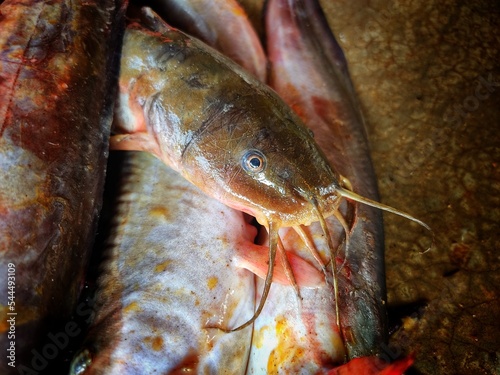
254,161
80,363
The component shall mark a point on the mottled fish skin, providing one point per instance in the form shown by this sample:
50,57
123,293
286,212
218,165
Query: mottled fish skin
222,24
168,273
57,83
309,71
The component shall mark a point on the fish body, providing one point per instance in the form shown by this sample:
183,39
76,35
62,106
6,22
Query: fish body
222,24
204,116
309,71
57,61
169,272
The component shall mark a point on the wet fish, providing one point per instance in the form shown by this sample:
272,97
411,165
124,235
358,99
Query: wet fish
225,132
169,271
222,24
299,40
309,71
57,61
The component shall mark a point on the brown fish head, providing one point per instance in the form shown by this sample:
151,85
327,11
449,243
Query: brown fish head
254,154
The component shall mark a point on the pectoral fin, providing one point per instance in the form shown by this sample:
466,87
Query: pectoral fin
255,258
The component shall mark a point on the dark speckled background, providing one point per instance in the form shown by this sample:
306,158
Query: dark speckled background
425,74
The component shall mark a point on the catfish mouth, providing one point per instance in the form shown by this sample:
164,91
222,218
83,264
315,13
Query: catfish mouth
323,205
274,223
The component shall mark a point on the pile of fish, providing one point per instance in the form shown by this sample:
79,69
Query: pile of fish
244,233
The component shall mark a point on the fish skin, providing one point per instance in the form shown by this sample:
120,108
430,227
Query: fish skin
168,272
309,71
222,24
56,98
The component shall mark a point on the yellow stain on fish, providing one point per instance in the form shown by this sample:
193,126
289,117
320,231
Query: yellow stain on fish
155,342
132,308
162,266
286,351
212,282
150,318
160,211
259,337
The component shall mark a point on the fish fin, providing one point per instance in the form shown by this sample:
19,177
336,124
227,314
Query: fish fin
398,367
140,141
373,366
255,259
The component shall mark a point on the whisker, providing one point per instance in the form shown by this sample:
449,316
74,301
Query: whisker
333,257
287,268
358,198
273,246
347,232
311,247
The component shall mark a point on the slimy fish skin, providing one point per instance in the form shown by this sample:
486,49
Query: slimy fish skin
309,71
221,129
228,134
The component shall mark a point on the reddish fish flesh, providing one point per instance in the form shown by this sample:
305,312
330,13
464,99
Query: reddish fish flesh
168,272
57,69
